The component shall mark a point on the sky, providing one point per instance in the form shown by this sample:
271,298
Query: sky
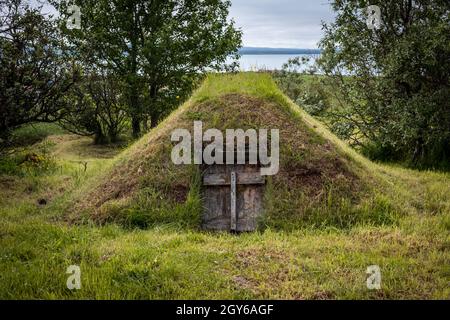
281,23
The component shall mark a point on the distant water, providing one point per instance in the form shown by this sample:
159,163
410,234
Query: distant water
255,62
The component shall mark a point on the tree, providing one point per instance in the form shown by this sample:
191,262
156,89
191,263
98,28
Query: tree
394,81
298,81
156,46
98,108
34,72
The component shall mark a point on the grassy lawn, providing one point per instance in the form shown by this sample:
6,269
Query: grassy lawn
405,232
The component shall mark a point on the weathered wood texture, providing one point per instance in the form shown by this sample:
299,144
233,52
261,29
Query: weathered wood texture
233,210
217,197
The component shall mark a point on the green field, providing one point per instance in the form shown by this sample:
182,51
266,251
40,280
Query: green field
134,238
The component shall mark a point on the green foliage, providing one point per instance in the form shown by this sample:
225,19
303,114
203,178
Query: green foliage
99,108
396,94
157,47
325,257
298,82
334,209
35,73
28,163
33,133
290,79
151,207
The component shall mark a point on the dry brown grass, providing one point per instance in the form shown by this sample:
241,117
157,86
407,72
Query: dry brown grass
308,163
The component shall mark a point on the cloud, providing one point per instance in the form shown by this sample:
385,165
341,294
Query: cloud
281,23
273,23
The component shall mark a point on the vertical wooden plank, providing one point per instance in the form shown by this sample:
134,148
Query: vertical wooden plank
233,202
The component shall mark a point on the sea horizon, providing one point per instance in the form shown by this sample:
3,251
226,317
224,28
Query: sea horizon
278,51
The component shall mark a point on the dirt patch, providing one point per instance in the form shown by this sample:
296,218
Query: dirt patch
244,283
322,295
7,182
10,186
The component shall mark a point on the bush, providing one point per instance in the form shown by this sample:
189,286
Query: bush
395,81
28,163
33,133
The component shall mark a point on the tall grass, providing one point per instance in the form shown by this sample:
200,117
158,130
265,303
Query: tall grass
324,255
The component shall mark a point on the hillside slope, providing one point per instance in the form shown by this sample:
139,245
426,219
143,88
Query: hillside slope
330,214
319,184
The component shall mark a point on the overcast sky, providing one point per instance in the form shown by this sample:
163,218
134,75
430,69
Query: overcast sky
281,23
